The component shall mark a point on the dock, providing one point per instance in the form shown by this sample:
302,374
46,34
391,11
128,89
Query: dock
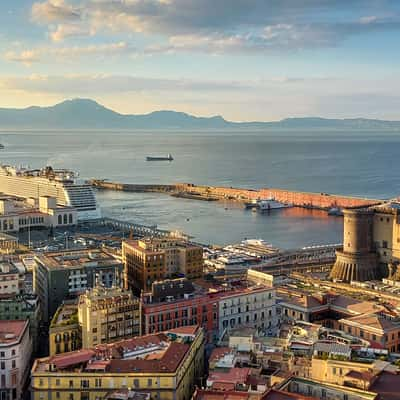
323,201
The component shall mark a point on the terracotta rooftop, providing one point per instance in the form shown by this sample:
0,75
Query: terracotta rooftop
11,331
150,353
372,321
234,375
361,376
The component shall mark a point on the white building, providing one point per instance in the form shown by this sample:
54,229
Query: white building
252,307
34,213
15,354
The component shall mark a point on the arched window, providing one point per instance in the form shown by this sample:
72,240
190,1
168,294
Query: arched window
65,219
70,218
59,220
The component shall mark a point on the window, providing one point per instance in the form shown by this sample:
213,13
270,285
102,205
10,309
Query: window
57,382
136,383
71,384
149,382
84,383
59,220
13,364
3,365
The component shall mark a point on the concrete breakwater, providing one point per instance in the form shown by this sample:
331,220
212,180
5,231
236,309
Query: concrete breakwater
298,199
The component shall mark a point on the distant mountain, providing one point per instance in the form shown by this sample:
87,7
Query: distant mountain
88,114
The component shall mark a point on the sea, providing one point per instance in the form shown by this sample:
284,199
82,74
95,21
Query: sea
351,163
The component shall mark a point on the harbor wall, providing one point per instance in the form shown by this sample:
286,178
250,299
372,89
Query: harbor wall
299,199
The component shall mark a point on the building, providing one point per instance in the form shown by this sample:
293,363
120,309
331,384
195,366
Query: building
65,274
107,315
154,259
15,355
307,389
371,248
65,332
374,327
43,212
11,282
253,306
176,303
166,365
22,307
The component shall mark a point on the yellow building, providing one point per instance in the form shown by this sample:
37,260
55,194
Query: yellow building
108,314
64,331
152,259
167,365
340,372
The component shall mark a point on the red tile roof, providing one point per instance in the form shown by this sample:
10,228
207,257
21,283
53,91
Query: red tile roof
12,331
387,386
235,375
73,358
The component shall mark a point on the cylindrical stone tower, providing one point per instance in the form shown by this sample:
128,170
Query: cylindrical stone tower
357,261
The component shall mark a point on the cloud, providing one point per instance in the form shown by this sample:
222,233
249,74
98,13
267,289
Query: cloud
45,54
54,11
64,31
222,26
92,84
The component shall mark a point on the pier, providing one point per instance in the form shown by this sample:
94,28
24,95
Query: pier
324,201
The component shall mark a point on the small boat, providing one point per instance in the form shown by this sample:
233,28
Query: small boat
167,158
335,211
2,146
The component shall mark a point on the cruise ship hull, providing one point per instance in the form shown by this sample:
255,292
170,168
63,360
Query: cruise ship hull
71,194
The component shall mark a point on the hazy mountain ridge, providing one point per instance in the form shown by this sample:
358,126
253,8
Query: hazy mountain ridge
88,114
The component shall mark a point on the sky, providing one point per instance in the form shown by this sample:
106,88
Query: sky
243,59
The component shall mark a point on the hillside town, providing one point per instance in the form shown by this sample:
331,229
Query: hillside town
94,308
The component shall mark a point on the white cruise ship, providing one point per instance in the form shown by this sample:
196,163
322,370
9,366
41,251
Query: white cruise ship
59,183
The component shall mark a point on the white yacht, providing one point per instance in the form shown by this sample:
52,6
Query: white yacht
271,204
59,183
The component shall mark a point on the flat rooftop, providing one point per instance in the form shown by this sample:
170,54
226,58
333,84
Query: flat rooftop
76,258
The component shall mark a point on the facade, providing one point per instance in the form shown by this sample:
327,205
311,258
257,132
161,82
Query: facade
253,307
66,274
16,215
107,315
8,243
153,259
10,280
374,327
64,331
166,365
176,303
15,354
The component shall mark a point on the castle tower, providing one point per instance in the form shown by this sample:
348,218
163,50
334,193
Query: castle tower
357,261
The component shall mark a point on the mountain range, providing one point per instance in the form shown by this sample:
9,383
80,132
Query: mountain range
88,114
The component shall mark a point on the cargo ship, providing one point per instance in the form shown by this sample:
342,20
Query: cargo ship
167,158
59,183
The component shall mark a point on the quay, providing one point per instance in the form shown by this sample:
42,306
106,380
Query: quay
324,201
